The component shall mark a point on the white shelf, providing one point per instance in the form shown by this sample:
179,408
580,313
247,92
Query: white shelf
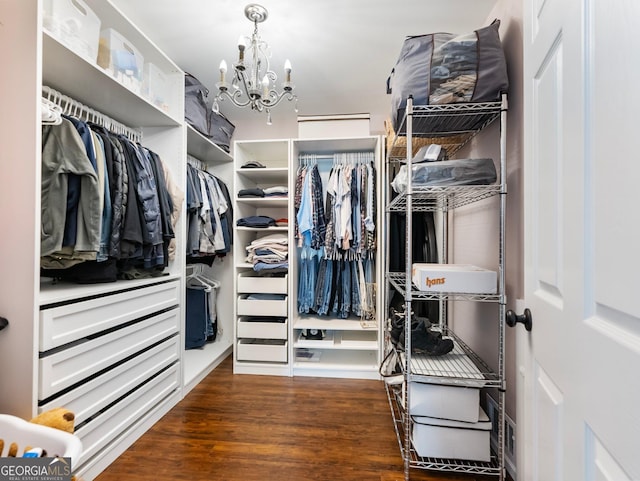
62,69
272,153
112,16
337,363
319,322
346,340
244,265
203,149
265,175
264,201
262,229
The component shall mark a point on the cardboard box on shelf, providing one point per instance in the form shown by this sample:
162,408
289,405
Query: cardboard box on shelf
456,278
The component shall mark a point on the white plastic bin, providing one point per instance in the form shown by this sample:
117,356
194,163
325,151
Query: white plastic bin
155,86
121,59
74,25
54,441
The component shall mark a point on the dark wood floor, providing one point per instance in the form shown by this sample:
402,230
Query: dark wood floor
270,428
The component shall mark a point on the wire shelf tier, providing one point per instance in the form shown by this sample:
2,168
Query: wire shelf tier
460,367
491,468
439,198
398,281
450,125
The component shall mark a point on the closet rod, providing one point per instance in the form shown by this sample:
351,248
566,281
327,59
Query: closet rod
197,163
332,157
73,108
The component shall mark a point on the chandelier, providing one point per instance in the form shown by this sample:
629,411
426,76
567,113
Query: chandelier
254,83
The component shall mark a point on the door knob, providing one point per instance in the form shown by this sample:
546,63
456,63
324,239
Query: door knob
3,323
511,318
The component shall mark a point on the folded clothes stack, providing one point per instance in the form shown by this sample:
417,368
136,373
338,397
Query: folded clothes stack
269,252
261,221
253,164
275,191
255,192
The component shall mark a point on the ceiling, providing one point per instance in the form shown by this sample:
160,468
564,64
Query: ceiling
342,51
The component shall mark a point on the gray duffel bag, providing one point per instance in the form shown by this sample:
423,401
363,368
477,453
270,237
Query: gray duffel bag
198,113
445,68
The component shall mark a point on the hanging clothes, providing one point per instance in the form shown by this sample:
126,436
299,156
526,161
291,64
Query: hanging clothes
336,239
106,210
210,216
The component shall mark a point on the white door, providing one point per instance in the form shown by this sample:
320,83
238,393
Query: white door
579,388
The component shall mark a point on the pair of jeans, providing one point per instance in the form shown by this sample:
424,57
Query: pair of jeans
356,302
341,289
307,279
323,287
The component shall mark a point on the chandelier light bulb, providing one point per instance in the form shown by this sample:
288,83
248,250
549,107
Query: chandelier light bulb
223,70
287,71
242,44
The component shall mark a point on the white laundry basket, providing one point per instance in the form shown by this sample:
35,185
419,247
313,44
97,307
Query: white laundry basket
23,433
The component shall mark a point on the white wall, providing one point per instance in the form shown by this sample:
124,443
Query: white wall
475,322
285,125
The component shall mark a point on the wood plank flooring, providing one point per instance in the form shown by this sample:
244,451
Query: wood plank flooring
270,428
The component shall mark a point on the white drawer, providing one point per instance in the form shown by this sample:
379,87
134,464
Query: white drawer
69,366
247,307
125,414
250,282
91,397
63,324
261,350
262,329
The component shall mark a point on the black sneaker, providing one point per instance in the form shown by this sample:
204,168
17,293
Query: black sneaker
432,346
397,320
426,341
312,334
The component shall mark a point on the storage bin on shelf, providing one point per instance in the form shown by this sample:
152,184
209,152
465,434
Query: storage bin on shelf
251,282
155,86
262,350
74,25
262,327
458,403
458,278
121,59
247,306
23,433
443,438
